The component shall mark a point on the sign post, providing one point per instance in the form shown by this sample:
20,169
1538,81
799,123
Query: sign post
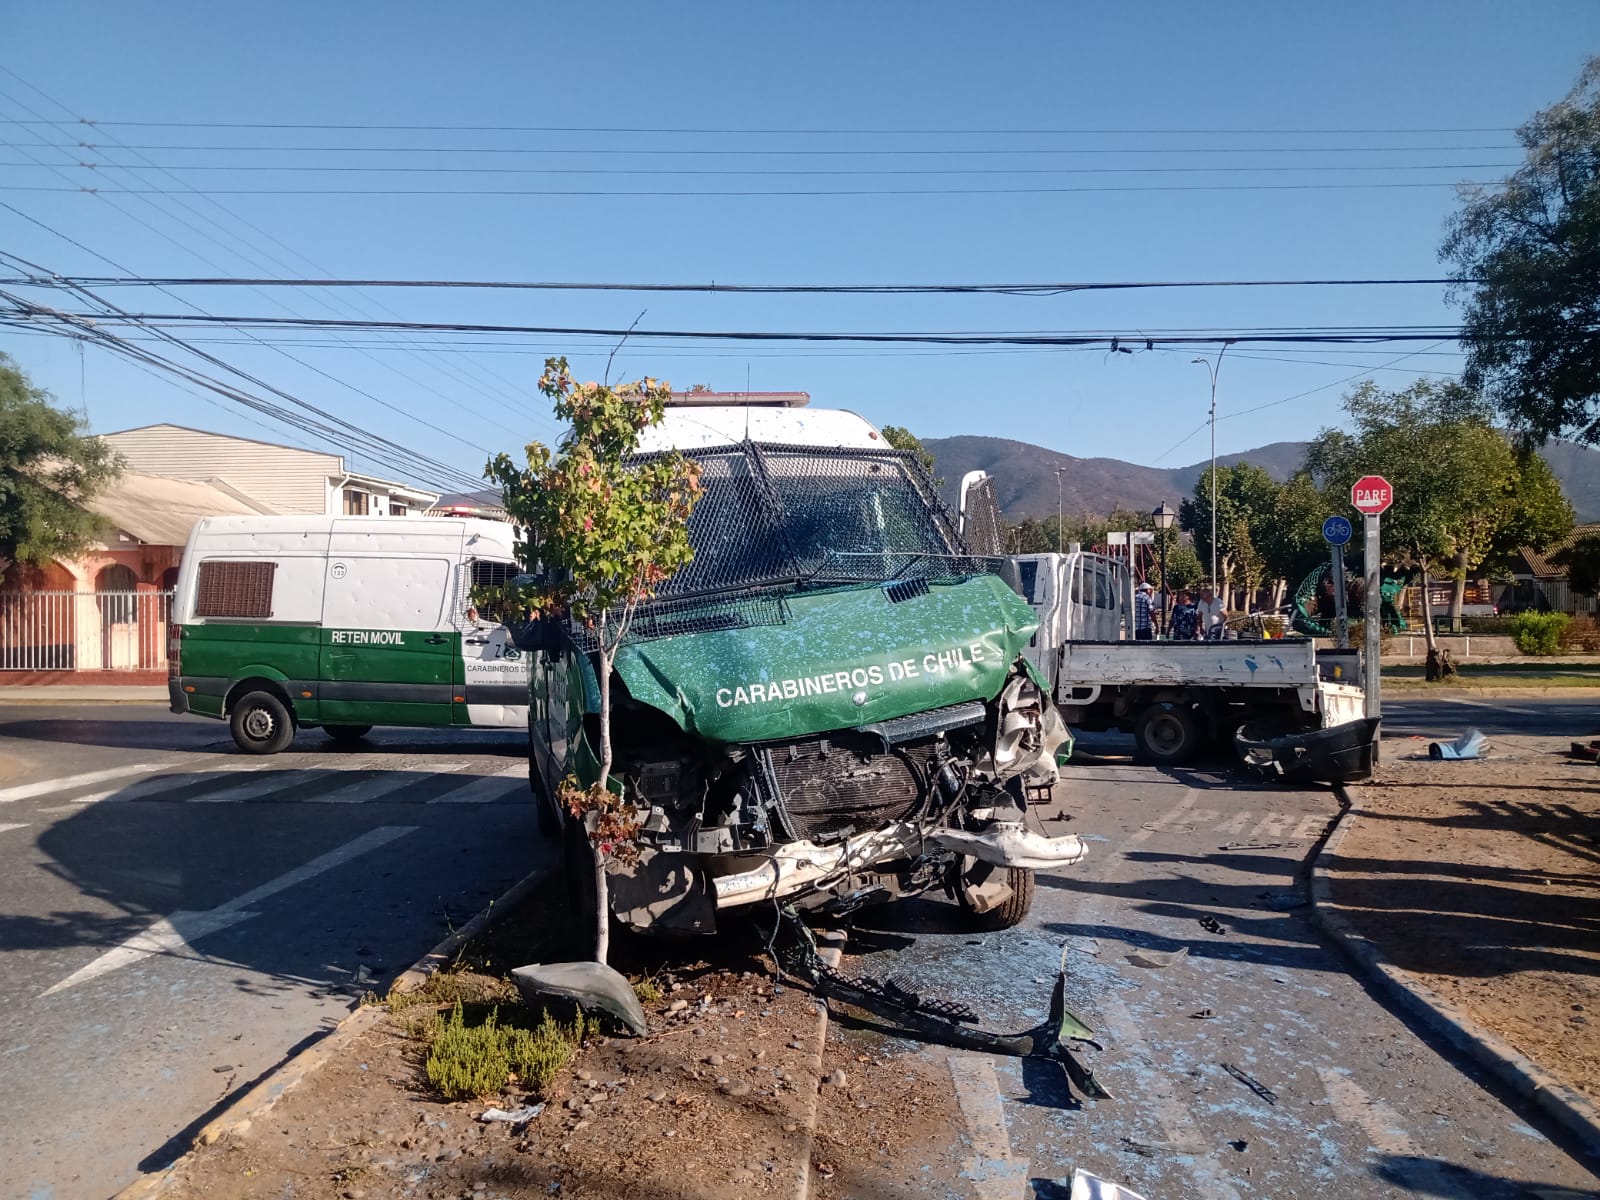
1336,532
1371,495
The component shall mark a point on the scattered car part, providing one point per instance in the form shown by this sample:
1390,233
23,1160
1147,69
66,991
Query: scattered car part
1340,754
1143,958
1260,1089
1470,744
591,985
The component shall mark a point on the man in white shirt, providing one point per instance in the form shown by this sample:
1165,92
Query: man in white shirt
1212,612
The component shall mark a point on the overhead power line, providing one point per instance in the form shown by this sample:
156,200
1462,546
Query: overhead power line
1250,132
778,152
1007,289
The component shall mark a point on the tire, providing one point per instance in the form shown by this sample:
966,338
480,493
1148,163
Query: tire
347,733
1169,733
1006,915
261,723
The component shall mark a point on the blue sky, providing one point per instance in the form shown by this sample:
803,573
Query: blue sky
943,71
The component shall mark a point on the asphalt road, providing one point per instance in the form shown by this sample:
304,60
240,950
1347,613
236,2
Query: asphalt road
177,917
1433,717
1361,1103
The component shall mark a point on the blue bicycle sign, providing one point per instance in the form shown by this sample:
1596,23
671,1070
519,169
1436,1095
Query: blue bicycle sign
1336,531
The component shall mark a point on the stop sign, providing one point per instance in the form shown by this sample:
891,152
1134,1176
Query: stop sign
1371,494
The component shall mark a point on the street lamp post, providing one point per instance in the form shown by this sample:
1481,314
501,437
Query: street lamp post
1213,369
1061,518
1163,516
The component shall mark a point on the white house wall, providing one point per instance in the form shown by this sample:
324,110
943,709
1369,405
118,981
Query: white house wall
287,479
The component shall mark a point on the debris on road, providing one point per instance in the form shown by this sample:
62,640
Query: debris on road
1587,751
1211,925
514,1117
1260,1089
1470,744
1091,1187
1205,1014
1150,959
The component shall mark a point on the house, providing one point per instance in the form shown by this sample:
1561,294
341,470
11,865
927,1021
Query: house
106,610
286,478
1539,584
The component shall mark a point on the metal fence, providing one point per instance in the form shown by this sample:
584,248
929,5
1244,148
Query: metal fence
84,631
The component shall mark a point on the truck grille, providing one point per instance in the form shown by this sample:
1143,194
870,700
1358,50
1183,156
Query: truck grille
833,786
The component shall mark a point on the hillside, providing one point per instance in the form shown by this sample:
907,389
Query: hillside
1026,483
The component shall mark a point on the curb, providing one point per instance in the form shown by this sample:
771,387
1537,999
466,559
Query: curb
1575,1112
259,1099
830,954
1400,690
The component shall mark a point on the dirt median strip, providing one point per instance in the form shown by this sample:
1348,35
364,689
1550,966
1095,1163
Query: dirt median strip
1572,1109
260,1098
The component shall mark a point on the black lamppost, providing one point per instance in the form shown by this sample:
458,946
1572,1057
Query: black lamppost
1164,516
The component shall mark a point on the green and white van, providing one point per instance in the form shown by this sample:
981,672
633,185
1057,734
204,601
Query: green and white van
344,623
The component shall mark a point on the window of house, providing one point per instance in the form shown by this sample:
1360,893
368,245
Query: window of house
356,503
234,589
396,509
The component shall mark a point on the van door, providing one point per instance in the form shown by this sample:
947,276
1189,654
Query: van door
388,649
490,672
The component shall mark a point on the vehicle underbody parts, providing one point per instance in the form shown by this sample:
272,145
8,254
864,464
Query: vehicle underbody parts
939,1021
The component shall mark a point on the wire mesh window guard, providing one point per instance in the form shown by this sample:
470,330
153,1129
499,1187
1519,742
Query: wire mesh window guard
784,517
234,589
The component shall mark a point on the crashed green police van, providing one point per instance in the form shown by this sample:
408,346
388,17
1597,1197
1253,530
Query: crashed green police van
343,623
829,706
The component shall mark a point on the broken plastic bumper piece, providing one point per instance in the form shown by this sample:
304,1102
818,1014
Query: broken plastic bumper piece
1012,845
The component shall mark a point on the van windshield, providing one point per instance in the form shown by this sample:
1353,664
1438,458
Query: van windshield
807,516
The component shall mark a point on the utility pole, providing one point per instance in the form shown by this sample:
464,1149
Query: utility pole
1212,370
1061,518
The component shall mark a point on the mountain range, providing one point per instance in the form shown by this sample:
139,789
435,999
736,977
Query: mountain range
1026,485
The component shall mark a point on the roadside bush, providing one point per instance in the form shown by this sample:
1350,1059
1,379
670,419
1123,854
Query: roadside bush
1538,633
1487,626
1581,634
479,1060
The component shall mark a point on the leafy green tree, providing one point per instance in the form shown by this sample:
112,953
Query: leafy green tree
1527,257
48,467
1246,507
903,439
602,534
1456,478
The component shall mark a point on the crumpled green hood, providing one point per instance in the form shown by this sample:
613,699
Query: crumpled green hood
843,658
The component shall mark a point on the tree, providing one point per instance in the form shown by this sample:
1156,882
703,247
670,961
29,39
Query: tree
1247,499
602,534
1456,478
903,439
1527,262
49,467
1582,561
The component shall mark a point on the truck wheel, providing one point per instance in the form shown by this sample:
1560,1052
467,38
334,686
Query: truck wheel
261,723
347,733
1011,911
1168,733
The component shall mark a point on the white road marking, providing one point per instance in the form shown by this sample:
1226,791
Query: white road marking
3,828
1372,1117
362,791
264,783
1510,708
49,787
177,931
1154,827
994,1173
489,788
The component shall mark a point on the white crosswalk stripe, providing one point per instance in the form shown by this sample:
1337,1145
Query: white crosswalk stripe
4,828
51,787
364,791
265,784
503,784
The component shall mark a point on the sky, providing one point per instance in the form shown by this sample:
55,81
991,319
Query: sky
1088,143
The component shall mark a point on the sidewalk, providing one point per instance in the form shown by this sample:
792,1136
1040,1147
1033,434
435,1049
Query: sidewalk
96,693
1468,890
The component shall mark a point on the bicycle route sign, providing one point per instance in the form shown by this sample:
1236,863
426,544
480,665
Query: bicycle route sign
1336,531
1371,495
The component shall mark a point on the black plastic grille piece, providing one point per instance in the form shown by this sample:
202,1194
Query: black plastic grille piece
906,589
843,783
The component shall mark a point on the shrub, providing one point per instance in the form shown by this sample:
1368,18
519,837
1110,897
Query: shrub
1581,633
1538,633
479,1060
1488,626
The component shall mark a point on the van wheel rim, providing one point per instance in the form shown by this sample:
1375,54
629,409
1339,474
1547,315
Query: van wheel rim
258,724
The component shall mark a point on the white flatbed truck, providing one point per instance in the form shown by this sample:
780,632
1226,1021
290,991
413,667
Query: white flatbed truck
1175,697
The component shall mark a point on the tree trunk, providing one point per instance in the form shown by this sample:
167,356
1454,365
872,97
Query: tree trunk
602,887
1460,596
1427,614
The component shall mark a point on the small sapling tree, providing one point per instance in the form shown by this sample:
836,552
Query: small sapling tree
601,535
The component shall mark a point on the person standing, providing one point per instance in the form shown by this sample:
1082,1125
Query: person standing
1212,613
1143,630
1185,618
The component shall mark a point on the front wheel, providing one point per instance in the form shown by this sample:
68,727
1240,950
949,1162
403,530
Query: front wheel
977,878
261,723
1169,733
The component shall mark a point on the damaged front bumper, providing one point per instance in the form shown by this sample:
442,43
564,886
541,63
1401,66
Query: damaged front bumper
798,867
